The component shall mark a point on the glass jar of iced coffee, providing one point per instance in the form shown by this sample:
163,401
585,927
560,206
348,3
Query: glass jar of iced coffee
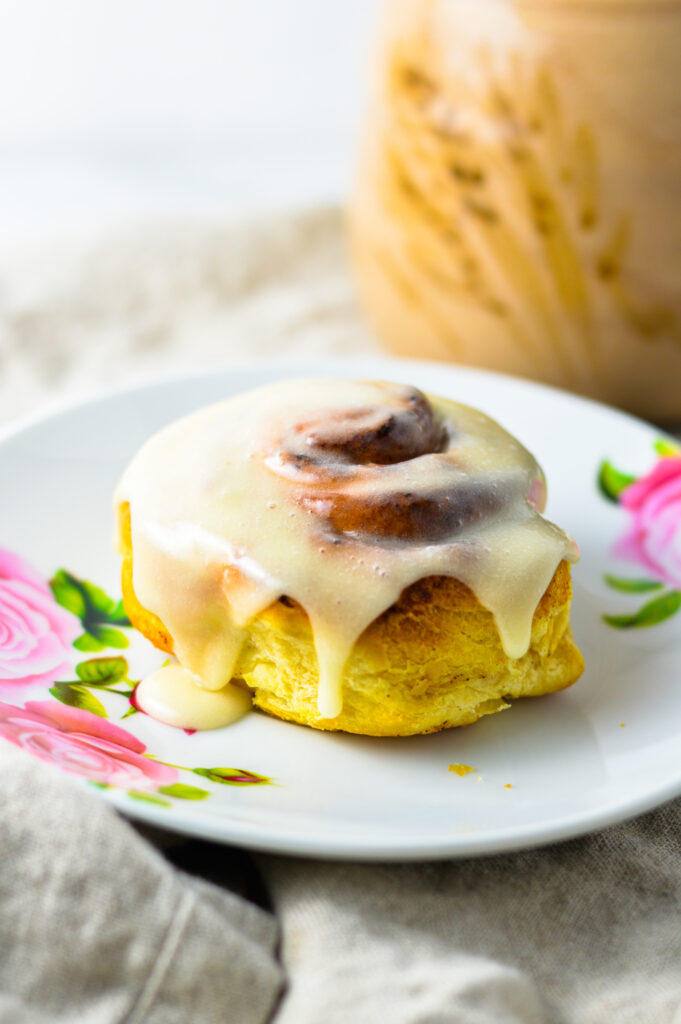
518,203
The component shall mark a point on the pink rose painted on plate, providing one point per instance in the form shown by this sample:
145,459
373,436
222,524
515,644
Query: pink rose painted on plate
653,539
35,632
44,629
85,744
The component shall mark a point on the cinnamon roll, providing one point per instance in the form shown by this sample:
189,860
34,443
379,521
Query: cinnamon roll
360,555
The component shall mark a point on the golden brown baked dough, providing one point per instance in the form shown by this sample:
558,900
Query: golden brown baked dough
431,661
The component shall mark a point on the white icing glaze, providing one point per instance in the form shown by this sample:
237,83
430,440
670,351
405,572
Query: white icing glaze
257,497
171,695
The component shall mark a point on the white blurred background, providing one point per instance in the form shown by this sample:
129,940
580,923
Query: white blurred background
112,111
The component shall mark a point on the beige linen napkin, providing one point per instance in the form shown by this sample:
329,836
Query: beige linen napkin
587,932
85,314
96,927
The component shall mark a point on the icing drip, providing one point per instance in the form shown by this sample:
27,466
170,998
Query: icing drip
339,495
171,695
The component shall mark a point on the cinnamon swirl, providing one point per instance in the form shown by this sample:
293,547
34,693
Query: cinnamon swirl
362,556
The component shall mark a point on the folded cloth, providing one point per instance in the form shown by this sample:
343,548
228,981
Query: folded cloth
97,928
586,932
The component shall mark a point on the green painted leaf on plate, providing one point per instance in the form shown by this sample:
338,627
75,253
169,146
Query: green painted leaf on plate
628,586
86,642
664,447
90,603
182,792
232,776
100,605
612,481
78,696
109,637
149,798
102,671
68,594
118,617
657,610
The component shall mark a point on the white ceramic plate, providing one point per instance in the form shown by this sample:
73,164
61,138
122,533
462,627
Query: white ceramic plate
546,769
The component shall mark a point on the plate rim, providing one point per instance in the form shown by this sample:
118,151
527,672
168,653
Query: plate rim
251,836
524,838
